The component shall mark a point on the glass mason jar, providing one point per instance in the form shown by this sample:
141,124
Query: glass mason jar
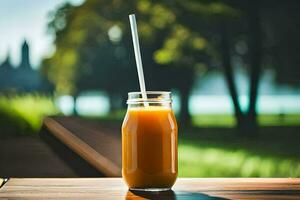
149,142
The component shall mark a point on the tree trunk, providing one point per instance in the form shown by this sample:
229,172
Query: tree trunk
75,112
124,97
112,102
229,75
186,83
255,54
184,117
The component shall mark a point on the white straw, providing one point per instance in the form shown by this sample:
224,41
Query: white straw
138,58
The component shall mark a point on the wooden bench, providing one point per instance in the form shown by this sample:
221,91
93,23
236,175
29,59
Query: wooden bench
90,141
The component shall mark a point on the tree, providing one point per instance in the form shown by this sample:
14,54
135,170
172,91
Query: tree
228,21
281,27
86,57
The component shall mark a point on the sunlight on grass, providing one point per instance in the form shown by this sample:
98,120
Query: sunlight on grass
29,109
226,120
197,161
281,120
213,120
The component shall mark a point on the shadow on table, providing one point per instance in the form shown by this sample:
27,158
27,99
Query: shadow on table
170,195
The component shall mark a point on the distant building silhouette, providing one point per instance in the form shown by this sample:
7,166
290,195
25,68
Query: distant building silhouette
25,56
22,78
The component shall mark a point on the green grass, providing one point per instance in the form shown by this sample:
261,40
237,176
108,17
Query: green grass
197,161
279,120
213,120
226,120
227,155
23,114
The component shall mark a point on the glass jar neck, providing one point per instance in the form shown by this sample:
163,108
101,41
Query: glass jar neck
154,98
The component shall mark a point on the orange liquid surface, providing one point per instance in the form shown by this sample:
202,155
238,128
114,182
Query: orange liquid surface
149,148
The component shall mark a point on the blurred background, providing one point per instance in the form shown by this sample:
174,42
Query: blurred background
232,67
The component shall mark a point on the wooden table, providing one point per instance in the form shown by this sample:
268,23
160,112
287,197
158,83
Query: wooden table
185,188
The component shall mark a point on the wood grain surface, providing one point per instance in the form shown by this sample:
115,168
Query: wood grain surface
185,188
98,146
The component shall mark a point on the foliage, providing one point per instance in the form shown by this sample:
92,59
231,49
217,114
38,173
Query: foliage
87,56
23,114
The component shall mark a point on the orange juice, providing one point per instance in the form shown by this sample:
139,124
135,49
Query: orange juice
149,147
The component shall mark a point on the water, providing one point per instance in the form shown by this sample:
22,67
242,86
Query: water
267,104
98,105
210,96
88,104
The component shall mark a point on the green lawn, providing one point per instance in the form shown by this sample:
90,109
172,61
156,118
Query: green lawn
226,120
227,155
23,114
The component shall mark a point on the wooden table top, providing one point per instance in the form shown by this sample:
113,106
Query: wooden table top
185,188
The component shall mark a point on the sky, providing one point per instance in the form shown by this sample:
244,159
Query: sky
27,19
